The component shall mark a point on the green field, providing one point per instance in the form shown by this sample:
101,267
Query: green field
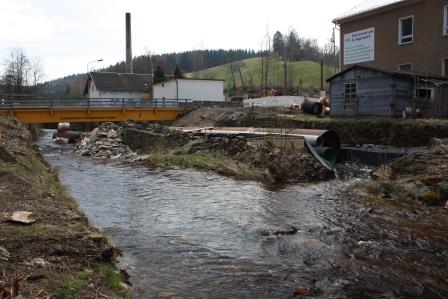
303,73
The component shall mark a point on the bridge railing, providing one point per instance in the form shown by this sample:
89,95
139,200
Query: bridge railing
90,103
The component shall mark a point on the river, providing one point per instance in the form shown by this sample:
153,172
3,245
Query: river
189,233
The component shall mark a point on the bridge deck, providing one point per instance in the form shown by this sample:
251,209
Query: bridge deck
91,110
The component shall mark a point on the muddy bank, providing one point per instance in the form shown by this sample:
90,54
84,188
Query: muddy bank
380,131
390,248
419,177
58,255
161,147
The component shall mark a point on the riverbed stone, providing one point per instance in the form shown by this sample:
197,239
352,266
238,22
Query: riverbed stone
275,231
112,134
23,217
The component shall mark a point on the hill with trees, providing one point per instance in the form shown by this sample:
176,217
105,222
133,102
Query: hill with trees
300,74
286,61
189,61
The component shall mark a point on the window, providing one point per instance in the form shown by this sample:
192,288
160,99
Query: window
445,20
406,67
425,93
445,67
406,30
350,93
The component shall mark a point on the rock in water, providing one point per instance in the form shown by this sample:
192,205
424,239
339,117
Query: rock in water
23,217
276,231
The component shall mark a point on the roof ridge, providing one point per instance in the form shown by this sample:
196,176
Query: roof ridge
366,6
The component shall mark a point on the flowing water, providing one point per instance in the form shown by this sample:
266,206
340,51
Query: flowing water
190,233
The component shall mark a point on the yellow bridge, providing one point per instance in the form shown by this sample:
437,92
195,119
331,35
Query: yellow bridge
90,110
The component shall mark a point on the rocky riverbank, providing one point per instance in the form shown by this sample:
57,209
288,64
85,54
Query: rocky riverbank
52,252
419,177
161,147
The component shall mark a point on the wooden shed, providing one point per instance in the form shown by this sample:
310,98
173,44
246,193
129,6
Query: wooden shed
361,90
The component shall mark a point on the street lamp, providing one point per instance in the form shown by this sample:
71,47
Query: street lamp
99,60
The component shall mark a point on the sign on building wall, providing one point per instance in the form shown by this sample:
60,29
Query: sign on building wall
359,46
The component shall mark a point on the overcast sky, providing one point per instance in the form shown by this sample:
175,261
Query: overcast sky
66,34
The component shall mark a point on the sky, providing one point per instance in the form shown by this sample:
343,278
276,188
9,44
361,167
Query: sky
67,34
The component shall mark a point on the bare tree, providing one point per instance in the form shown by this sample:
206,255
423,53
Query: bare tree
21,71
37,71
15,69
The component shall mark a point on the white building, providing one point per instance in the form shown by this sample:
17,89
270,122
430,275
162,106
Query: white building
117,86
190,89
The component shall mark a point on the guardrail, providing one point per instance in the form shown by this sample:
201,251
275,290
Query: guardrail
90,103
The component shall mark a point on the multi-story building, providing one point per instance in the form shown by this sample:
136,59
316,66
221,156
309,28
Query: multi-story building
396,35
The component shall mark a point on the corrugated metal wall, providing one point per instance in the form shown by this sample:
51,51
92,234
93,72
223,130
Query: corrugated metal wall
441,102
378,94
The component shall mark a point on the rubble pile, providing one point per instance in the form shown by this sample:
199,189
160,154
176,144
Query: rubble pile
105,142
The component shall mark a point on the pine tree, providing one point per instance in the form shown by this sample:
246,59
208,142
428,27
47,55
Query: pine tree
178,73
278,43
159,75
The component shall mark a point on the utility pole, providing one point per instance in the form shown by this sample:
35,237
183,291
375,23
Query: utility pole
262,72
284,69
321,74
266,70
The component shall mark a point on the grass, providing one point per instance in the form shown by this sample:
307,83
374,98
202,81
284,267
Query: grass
21,229
303,73
205,161
72,284
113,280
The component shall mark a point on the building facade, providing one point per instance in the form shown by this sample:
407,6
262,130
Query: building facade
366,91
108,86
396,35
190,89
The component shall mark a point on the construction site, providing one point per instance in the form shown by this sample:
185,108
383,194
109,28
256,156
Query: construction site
217,184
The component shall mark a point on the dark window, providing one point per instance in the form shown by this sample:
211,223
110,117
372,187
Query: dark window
445,67
350,93
406,30
424,93
405,67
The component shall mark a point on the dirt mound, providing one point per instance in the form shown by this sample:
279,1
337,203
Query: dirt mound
232,156
226,145
200,117
5,156
268,163
421,177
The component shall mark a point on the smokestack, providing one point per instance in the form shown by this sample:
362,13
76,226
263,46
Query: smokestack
129,66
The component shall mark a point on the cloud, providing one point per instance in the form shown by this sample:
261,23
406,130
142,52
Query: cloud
22,23
67,34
